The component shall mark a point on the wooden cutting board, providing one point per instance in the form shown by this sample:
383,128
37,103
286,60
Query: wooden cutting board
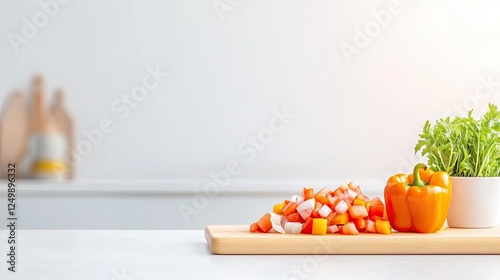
235,239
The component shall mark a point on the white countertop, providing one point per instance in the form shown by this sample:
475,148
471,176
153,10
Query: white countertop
175,254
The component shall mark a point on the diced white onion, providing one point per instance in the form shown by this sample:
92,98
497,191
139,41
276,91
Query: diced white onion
333,228
352,194
341,207
308,204
325,211
306,213
278,228
293,227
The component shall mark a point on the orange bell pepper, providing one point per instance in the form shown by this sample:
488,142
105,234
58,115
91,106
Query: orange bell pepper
418,202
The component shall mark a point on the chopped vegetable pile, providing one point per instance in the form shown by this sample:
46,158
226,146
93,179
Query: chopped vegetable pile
345,210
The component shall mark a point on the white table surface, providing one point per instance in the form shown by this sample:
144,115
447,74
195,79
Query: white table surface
171,254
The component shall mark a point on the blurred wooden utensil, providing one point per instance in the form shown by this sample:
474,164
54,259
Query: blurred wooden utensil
13,133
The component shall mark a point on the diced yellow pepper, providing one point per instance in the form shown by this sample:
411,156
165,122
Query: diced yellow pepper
383,227
278,208
359,201
367,205
319,226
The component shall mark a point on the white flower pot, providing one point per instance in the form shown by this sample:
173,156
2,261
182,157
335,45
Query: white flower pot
475,202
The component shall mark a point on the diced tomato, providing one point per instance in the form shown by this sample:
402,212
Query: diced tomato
358,212
375,218
308,193
289,208
376,210
265,223
376,202
295,217
360,224
308,226
350,229
254,227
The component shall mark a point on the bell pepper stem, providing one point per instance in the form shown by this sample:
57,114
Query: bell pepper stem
416,175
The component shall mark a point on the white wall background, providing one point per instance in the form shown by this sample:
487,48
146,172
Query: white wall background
357,119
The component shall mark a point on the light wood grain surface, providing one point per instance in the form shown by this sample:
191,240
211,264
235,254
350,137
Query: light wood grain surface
236,239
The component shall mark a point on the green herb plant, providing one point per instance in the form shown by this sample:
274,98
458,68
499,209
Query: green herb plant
464,146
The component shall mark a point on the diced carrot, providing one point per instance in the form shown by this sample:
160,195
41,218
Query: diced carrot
383,227
319,226
361,196
358,190
340,219
254,227
289,208
308,193
308,226
330,200
338,192
321,195
358,211
352,185
295,217
343,187
286,201
350,229
265,223
330,217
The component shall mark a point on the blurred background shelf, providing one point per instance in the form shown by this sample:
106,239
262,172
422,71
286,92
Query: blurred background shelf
152,204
